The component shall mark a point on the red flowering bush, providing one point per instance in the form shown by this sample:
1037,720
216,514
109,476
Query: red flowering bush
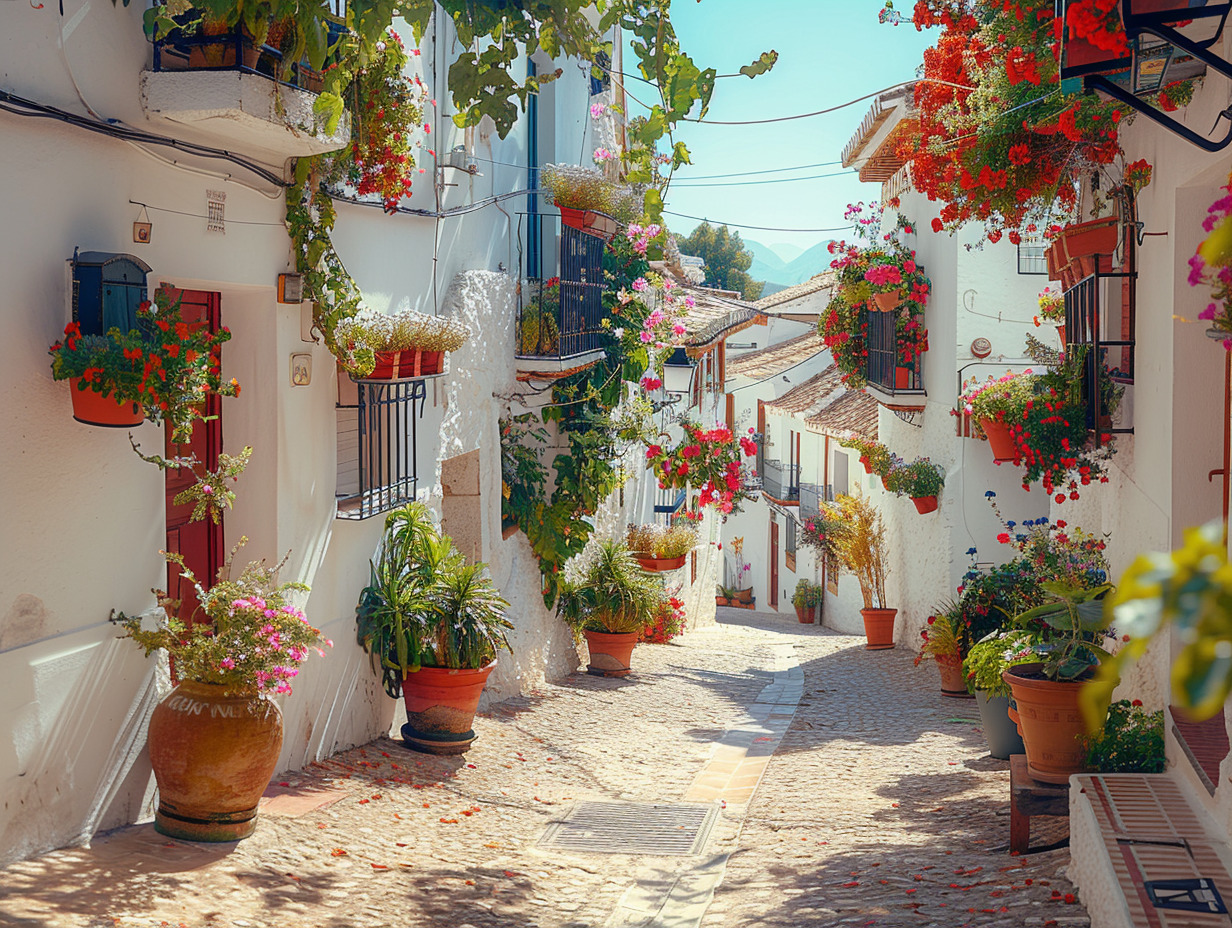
708,461
166,364
669,623
997,142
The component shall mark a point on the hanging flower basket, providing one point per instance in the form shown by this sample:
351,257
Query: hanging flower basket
95,409
999,439
887,302
925,504
660,564
409,362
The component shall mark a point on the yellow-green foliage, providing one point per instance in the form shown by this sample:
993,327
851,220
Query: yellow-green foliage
857,538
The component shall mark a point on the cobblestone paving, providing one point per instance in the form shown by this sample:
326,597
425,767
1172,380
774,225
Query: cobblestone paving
875,809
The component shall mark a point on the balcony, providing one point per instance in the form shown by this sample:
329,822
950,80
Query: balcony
812,495
667,504
1099,314
559,324
781,482
225,91
893,382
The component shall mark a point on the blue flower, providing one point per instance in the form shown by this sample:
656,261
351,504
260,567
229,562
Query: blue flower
971,550
989,494
1012,524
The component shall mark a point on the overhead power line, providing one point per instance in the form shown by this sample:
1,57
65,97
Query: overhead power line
681,185
740,225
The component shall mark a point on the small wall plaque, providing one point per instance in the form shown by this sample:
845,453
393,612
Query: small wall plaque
301,370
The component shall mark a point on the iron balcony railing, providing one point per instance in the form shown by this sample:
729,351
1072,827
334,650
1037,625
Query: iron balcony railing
386,475
781,481
235,51
1100,313
885,369
562,317
812,495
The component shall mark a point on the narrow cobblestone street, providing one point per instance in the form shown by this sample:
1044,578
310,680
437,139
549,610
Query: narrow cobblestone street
876,804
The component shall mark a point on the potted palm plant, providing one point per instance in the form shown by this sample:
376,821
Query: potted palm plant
659,548
214,739
609,601
433,624
807,598
393,346
1045,692
856,536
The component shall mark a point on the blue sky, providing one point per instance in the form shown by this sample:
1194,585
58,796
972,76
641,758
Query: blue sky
830,51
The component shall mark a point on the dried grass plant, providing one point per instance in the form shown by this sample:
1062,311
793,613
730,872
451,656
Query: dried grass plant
857,538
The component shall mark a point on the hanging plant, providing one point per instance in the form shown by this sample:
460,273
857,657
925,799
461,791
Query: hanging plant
707,460
1211,266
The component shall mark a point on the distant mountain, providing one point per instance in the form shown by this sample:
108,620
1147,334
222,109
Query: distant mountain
770,266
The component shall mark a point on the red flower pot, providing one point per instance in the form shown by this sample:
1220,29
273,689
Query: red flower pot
902,378
925,504
953,683
879,628
868,468
887,302
96,409
1050,721
1061,334
410,362
585,220
440,707
610,653
805,614
1000,440
660,564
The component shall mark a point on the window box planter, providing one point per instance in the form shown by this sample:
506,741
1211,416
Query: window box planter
410,362
587,220
659,564
1082,249
94,408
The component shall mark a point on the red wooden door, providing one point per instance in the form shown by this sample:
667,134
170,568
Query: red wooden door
199,543
774,565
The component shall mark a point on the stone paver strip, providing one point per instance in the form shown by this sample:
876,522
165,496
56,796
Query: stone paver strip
869,807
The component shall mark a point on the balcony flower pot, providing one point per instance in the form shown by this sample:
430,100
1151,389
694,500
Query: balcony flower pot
586,220
902,378
96,409
925,504
868,467
213,756
720,600
660,564
440,708
806,614
953,682
1061,335
879,628
409,362
745,596
610,652
999,439
222,54
1050,722
1000,731
887,302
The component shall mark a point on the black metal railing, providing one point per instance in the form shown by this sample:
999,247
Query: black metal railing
781,481
387,475
562,317
236,51
1100,312
885,369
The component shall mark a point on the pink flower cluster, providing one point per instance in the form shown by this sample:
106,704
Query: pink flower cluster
641,236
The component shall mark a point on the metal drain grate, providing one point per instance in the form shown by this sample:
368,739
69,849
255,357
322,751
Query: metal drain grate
669,830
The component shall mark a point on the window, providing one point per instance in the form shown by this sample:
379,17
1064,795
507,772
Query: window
885,369
377,445
561,317
1032,258
790,544
107,289
839,482
1099,314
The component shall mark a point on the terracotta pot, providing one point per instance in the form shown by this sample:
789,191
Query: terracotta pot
1050,722
887,302
879,628
213,757
999,729
1061,334
925,504
720,601
222,54
96,409
440,708
744,596
1087,239
590,222
953,683
660,564
610,653
868,468
805,614
410,362
999,439
902,378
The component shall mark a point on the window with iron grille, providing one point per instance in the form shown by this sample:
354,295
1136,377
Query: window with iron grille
885,369
562,317
1032,256
377,437
1100,314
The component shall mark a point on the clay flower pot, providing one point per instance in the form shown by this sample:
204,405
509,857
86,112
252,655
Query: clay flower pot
585,220
96,409
440,708
1050,722
879,628
720,600
887,302
745,596
610,653
409,362
999,439
805,614
868,468
213,756
953,683
925,504
659,564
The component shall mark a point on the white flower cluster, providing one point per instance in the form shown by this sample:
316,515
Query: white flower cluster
403,330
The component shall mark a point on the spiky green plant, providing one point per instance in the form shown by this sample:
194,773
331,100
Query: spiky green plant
611,593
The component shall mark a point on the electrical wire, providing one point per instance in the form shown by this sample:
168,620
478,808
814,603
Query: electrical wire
753,183
229,221
738,225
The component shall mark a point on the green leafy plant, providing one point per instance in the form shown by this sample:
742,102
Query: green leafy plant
1132,740
661,541
1071,628
989,657
877,455
424,605
610,592
807,594
998,399
942,635
918,479
247,634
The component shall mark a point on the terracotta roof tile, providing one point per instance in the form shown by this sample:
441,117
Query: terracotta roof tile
809,396
766,362
853,413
